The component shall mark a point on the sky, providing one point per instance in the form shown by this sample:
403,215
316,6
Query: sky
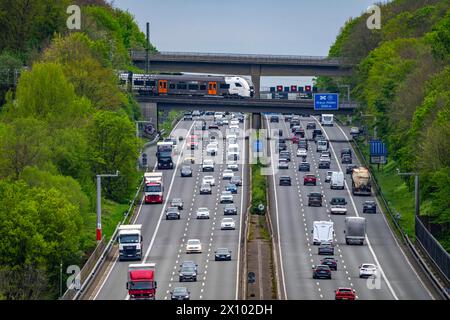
287,27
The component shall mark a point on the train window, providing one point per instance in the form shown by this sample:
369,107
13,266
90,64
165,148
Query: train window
238,84
172,86
138,82
193,87
152,83
203,87
181,86
224,86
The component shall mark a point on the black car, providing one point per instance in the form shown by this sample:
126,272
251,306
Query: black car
188,273
304,166
338,201
229,209
180,293
222,254
330,262
285,155
186,171
236,180
316,132
315,199
274,119
285,181
326,248
321,271
177,202
349,168
369,206
172,213
282,146
346,159
346,151
311,125
324,164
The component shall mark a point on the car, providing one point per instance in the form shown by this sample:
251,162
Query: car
177,202
347,151
311,125
338,201
288,117
274,119
315,199
172,213
187,116
338,209
324,157
344,294
330,262
187,273
211,149
230,209
328,176
285,181
236,180
346,159
189,263
225,121
282,146
226,197
208,165
193,246
303,144
299,133
205,189
310,179
367,270
227,224
180,293
202,213
369,206
209,180
304,166
325,248
227,174
214,125
321,271
316,132
295,128
319,138
222,254
189,159
354,131
301,152
186,171
231,187
326,154
285,155
233,166
325,164
349,168
283,164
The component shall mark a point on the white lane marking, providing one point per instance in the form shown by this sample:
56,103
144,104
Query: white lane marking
356,212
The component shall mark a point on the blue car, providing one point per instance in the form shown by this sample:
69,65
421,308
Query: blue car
231,187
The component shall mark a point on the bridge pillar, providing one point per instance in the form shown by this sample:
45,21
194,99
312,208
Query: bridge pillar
255,73
149,112
256,121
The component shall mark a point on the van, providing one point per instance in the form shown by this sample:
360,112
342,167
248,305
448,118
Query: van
337,180
322,145
323,231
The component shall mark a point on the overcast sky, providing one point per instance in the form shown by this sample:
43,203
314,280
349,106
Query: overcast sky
297,27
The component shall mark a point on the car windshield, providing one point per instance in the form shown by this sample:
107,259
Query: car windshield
152,188
202,209
187,168
368,266
227,220
129,238
141,285
222,251
193,242
176,201
187,269
345,290
180,291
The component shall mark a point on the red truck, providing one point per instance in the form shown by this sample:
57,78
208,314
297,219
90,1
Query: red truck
141,284
153,187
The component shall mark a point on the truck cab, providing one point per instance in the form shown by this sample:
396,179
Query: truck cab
141,284
164,155
327,120
323,231
130,242
153,187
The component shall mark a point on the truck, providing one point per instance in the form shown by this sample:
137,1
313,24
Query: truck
130,242
361,181
327,120
355,230
141,284
153,187
164,155
323,231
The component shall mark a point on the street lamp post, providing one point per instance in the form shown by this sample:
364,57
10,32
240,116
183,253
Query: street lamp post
99,202
416,188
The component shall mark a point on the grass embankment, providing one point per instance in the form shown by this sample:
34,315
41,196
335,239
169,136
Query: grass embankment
168,123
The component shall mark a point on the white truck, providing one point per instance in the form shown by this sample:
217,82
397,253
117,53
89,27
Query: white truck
337,180
323,231
355,230
327,120
130,242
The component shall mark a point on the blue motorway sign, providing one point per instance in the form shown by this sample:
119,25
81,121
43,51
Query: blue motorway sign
378,152
257,146
326,101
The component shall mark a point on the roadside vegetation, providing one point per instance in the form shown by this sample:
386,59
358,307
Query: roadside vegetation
65,121
402,81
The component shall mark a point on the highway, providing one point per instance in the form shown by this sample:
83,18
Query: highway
293,219
164,240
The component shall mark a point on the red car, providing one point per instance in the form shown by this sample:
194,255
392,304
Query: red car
345,294
309,179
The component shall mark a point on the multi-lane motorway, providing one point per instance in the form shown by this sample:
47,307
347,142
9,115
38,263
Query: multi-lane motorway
293,221
164,240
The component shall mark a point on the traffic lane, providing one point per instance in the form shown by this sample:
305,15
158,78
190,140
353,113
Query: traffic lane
403,278
112,287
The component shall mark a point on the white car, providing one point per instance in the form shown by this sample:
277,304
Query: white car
234,122
193,246
227,224
208,165
227,174
225,121
233,166
367,270
209,180
338,209
354,130
202,213
301,152
234,126
211,149
324,157
226,197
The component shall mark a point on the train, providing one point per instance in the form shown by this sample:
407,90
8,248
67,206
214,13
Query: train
188,85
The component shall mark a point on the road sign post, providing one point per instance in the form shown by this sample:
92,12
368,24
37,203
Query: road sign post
378,152
326,101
